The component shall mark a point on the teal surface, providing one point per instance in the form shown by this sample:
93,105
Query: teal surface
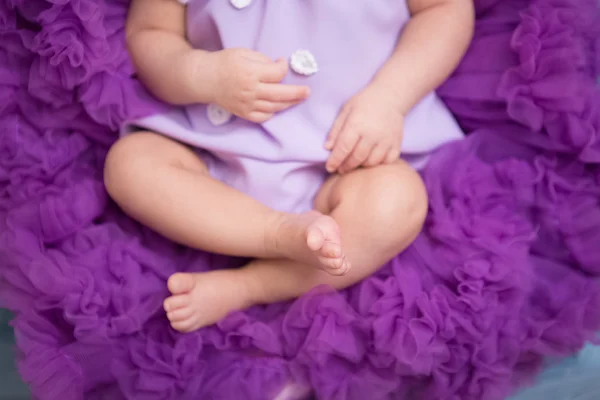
577,378
11,387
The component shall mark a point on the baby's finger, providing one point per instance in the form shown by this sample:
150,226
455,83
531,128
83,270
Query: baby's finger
359,155
273,72
337,127
377,156
343,147
256,56
272,108
392,156
259,117
278,93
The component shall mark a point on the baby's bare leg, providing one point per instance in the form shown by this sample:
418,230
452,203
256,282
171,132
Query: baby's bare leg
380,212
164,185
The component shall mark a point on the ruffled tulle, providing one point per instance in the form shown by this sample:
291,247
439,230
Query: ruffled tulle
503,275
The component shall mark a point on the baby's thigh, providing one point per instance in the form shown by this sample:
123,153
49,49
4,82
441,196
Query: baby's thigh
141,154
152,150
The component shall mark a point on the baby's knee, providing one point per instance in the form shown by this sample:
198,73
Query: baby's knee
125,161
398,196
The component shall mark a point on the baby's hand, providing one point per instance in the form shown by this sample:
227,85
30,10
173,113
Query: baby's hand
367,132
248,85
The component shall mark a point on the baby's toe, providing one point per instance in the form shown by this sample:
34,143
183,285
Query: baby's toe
329,228
315,238
180,314
181,283
333,266
176,302
331,250
186,325
345,268
293,391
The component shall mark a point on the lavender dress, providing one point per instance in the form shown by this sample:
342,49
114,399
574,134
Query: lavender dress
281,162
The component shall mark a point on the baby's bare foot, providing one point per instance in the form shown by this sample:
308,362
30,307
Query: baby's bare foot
313,238
202,299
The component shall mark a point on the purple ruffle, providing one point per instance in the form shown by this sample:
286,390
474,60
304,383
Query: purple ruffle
503,276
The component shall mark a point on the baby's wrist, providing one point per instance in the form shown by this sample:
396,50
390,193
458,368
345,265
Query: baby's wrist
202,75
392,95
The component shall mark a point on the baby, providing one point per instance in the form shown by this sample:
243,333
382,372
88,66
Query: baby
283,142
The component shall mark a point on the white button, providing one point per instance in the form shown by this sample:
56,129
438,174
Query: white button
239,4
217,115
183,1
303,62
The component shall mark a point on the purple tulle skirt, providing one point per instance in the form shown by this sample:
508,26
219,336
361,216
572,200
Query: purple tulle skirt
504,274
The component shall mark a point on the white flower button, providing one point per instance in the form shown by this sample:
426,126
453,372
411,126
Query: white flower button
217,115
239,4
303,62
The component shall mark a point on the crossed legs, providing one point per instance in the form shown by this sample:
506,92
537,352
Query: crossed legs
361,220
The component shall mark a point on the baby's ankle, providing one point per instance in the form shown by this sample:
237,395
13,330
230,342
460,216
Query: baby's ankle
252,291
274,236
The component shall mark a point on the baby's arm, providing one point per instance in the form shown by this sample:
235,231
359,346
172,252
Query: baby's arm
429,49
242,81
368,130
163,59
